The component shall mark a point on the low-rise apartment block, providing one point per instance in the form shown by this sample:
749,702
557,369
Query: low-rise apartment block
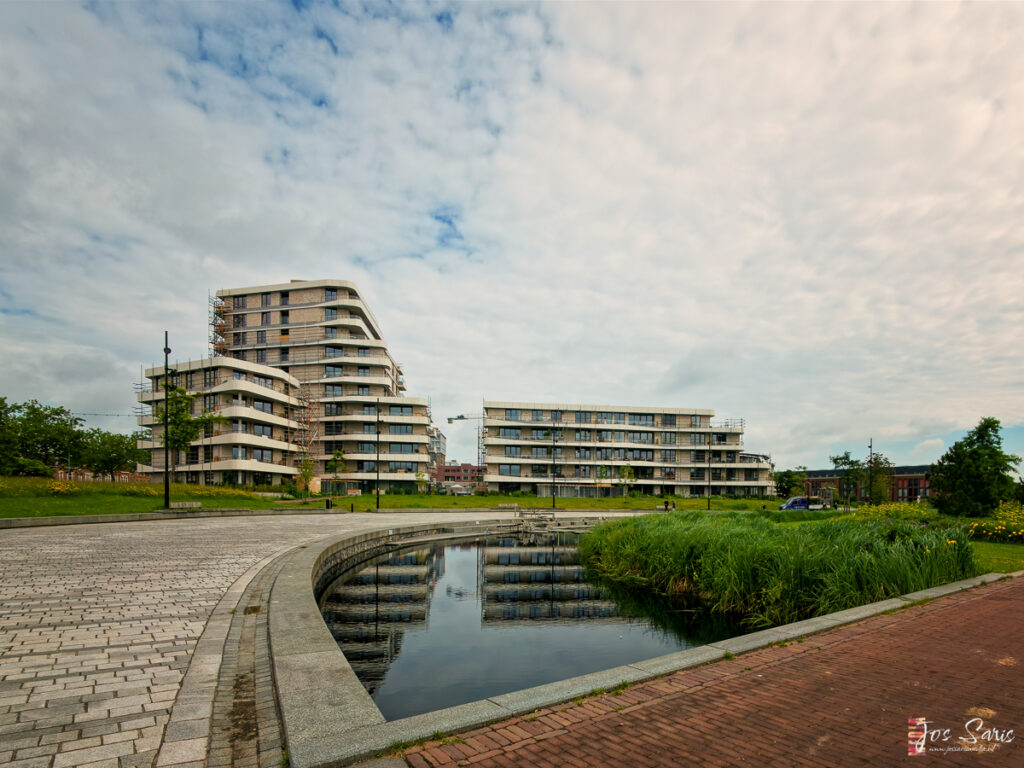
256,444
601,450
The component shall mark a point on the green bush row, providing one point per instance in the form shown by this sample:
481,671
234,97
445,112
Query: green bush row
771,574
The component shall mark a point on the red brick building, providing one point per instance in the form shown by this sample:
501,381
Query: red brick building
465,474
905,483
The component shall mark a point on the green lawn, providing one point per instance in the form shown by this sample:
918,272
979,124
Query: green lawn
998,558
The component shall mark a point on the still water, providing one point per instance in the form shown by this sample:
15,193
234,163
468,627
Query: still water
446,624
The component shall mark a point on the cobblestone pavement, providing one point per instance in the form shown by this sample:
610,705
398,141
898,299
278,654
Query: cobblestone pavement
99,624
839,698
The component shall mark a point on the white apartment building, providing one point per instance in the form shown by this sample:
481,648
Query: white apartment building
322,333
256,445
602,450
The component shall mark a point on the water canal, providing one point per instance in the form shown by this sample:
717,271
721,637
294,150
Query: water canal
449,623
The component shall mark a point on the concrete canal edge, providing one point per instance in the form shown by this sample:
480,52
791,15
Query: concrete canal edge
330,720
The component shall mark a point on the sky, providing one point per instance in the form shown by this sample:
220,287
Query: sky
808,216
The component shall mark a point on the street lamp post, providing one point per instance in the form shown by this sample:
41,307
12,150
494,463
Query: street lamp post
167,427
553,468
376,464
464,417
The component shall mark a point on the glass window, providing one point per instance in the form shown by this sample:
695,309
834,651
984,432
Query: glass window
641,419
402,448
333,371
556,416
263,430
366,448
364,352
362,390
582,417
508,469
333,352
583,434
369,429
238,452
330,294
695,421
668,438
264,299
369,410
284,298
537,415
238,321
668,419
330,333
668,455
697,438
284,319
400,429
332,409
264,318
513,414
363,370
400,410
261,337
510,433
330,314
261,355
513,451
640,437
238,302
238,339
263,405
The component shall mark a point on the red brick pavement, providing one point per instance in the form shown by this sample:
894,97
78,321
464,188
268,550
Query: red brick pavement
839,698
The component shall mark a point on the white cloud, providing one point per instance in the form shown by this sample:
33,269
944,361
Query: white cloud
804,215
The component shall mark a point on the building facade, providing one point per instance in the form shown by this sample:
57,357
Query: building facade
362,431
906,483
600,450
256,444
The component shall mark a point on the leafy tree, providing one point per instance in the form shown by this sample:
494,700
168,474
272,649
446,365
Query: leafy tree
974,475
789,482
850,472
878,472
627,478
107,453
183,427
336,465
8,438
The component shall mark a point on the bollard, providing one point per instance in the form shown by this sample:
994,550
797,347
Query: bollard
328,504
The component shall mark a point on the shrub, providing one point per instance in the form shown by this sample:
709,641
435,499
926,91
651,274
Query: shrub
771,574
1006,525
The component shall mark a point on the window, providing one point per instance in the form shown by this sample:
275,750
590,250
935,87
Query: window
402,448
510,433
333,371
330,314
369,429
582,453
262,430
582,434
698,457
362,390
400,429
284,298
641,419
603,454
284,356
556,416
262,454
719,438
332,409
513,451
238,452
366,448
539,452
668,438
366,466
639,455
582,417
696,474
238,321
513,414
604,417
330,333
369,410
668,419
508,469
402,466
668,455
364,352
264,299
330,294
264,318
263,405
333,428
400,410
697,438
261,355
209,377
537,415
695,421
582,471
639,437
261,337
238,355
363,371
263,381
284,319
238,302
333,352
238,339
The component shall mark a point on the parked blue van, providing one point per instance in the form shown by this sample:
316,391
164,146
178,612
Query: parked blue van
803,502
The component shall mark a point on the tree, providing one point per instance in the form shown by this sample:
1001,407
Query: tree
336,465
974,475
106,453
789,482
878,472
627,478
182,427
850,471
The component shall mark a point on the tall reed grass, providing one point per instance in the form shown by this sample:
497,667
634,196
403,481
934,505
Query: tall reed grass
773,574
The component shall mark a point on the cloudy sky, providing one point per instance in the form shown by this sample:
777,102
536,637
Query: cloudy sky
807,216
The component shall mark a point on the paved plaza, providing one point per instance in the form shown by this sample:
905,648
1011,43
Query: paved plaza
139,644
